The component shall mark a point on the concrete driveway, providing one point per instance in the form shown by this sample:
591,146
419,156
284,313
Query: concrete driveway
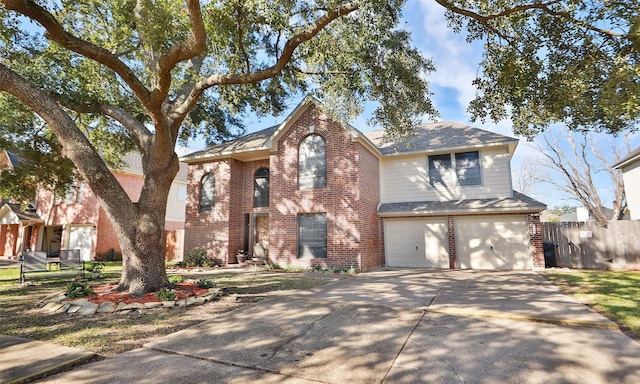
391,326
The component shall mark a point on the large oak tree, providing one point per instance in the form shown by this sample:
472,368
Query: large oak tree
88,79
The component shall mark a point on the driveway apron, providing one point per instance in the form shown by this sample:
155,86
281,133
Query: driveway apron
391,326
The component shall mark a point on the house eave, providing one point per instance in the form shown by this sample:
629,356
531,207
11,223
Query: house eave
626,163
439,212
511,145
243,154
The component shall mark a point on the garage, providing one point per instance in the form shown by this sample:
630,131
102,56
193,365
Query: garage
81,237
416,243
500,242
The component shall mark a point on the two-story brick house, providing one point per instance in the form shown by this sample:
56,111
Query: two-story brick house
317,192
77,221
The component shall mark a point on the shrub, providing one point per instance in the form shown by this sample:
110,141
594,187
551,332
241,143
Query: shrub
78,289
175,279
205,283
165,295
195,257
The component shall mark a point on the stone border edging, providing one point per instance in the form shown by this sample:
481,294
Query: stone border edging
57,303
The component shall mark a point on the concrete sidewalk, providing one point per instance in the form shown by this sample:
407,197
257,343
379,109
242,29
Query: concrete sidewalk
24,360
391,326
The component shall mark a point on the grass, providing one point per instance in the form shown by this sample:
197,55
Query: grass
110,334
616,294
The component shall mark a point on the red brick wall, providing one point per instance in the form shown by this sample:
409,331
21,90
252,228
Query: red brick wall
349,201
106,237
209,230
9,239
535,241
370,225
339,200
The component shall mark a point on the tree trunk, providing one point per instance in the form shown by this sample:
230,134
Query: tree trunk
143,268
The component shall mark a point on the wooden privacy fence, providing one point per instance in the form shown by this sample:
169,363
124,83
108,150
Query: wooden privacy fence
587,245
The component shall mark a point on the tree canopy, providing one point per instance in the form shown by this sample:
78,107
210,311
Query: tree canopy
575,62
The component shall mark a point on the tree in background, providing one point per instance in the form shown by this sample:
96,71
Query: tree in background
575,159
526,178
107,76
561,210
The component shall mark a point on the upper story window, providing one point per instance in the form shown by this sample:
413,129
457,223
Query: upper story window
312,162
261,188
468,168
459,169
207,192
74,192
182,193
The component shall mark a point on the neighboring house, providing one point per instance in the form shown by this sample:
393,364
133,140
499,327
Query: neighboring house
316,192
630,167
76,220
572,217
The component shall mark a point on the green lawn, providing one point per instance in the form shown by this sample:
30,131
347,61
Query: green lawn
109,334
616,294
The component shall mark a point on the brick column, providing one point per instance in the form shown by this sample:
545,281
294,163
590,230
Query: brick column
452,242
535,241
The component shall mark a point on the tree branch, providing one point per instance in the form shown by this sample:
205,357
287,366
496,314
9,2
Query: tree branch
75,144
309,32
544,7
139,133
55,32
188,49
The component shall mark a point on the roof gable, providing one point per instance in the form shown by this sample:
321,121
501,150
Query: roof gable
265,141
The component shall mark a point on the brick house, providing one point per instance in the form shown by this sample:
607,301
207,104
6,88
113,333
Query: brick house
314,191
76,220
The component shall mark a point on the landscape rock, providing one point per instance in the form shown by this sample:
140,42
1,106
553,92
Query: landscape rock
106,307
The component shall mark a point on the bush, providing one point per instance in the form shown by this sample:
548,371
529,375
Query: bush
195,258
78,289
165,295
205,283
175,279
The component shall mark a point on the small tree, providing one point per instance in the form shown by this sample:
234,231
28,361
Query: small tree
577,167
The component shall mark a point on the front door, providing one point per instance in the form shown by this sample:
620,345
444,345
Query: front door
261,233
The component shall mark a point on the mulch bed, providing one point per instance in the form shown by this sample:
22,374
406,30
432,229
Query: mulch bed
107,292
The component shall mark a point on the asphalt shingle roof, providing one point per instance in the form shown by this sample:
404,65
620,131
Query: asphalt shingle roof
440,136
518,202
244,143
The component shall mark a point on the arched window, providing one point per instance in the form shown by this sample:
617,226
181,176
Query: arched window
312,162
207,192
261,188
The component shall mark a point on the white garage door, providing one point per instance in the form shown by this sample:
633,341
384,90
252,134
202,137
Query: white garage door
492,243
81,237
416,243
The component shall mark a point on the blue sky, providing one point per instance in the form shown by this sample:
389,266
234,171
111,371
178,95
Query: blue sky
457,64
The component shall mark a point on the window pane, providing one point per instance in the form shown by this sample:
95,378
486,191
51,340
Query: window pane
312,236
468,168
80,192
182,192
261,188
312,163
207,193
440,172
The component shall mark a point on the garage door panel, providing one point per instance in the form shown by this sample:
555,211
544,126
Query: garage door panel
493,243
416,243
